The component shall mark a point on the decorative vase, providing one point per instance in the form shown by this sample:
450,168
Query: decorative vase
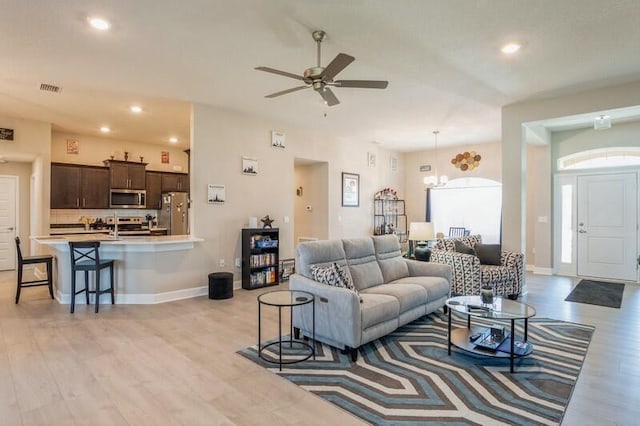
422,252
126,156
486,295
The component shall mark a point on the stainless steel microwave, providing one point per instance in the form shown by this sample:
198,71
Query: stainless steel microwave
128,199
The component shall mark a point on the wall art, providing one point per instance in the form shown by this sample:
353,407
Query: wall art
249,166
216,194
350,190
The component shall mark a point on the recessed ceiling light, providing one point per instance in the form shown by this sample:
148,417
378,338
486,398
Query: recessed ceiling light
136,109
511,48
173,139
99,23
105,129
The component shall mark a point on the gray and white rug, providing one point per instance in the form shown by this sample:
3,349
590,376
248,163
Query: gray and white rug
408,378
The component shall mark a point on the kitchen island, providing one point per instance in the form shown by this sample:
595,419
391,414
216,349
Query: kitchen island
149,269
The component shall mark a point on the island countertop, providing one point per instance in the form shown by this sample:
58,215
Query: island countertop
143,242
148,269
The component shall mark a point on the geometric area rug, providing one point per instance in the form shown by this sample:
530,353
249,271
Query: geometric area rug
407,377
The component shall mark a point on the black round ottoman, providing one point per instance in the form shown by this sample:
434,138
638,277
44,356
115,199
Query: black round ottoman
221,285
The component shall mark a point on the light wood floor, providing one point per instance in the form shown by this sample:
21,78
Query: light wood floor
175,363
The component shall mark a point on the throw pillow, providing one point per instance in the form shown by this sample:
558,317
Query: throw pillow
463,248
333,275
489,254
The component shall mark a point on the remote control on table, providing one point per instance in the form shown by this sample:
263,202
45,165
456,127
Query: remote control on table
476,307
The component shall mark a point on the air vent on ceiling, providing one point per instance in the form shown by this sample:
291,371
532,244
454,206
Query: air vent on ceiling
50,88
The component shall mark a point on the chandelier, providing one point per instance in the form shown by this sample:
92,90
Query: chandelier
434,181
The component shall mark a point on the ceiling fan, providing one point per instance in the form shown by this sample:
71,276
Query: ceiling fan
319,78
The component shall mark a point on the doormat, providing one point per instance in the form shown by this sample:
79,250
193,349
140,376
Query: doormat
407,377
597,293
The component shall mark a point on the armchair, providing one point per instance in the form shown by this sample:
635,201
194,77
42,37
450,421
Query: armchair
468,275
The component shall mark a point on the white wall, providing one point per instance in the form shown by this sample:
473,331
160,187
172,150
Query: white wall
514,158
219,140
23,171
539,208
313,222
574,141
32,144
93,150
490,168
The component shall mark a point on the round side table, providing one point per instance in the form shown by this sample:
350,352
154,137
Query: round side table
286,299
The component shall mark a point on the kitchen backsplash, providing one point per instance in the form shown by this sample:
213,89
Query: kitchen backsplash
63,216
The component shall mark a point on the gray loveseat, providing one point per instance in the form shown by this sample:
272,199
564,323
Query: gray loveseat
391,290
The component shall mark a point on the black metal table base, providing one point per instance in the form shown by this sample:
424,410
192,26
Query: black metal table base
512,353
291,341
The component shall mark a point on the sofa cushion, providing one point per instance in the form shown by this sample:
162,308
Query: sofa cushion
389,255
489,254
436,287
323,253
377,308
492,275
409,295
362,262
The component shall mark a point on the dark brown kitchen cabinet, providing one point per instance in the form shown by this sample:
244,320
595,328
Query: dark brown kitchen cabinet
79,187
154,190
126,174
177,182
94,187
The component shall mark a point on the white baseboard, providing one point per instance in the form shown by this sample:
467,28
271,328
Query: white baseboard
543,271
537,270
144,299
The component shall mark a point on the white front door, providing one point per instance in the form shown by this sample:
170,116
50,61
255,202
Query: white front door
607,226
8,207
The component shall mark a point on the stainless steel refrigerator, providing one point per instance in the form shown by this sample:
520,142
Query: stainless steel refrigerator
174,214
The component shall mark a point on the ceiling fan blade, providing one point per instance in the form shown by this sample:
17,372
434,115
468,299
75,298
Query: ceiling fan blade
284,73
362,84
284,92
339,63
328,96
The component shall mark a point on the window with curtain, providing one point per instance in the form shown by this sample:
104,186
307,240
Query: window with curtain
472,203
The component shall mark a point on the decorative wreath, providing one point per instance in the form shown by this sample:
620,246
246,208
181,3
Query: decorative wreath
386,194
467,160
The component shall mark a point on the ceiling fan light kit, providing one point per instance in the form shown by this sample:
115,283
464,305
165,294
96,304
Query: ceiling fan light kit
319,78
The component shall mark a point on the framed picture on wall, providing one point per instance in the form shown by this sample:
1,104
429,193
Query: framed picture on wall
249,166
277,139
216,194
73,146
350,190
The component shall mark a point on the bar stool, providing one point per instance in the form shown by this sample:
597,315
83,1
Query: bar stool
85,256
32,260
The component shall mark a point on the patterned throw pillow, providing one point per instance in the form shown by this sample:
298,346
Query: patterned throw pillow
463,248
333,275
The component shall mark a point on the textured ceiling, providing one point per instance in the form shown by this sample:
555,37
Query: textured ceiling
441,58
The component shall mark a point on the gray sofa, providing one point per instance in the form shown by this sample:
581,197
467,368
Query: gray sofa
391,290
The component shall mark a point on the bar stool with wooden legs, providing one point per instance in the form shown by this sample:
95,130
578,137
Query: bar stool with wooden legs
32,260
85,256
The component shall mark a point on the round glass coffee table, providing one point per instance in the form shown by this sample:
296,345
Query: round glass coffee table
490,339
286,299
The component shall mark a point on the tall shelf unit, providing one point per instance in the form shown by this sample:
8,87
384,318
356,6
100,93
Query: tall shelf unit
260,257
389,215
